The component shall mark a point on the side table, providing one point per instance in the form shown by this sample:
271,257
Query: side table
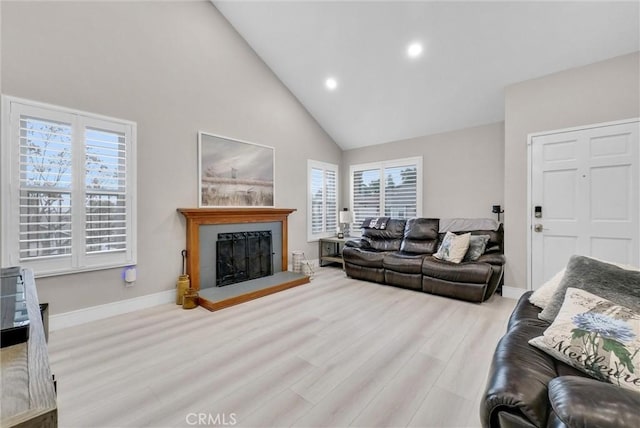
330,251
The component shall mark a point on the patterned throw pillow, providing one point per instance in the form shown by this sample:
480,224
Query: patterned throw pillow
477,245
453,247
597,337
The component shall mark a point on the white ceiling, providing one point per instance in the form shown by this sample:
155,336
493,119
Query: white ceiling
472,51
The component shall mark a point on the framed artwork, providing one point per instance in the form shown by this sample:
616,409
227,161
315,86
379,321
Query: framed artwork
234,173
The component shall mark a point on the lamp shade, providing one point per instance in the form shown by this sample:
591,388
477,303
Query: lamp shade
345,217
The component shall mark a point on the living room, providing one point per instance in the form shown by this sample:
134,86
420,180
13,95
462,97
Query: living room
177,68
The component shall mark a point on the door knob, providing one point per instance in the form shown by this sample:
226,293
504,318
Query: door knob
538,227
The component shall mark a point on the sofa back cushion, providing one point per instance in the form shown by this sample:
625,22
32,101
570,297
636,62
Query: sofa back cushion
420,236
387,239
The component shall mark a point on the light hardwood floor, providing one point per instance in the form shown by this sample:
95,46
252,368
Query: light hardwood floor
334,353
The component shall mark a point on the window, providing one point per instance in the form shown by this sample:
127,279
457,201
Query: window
391,188
68,188
322,200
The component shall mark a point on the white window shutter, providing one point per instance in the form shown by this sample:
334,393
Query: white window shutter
68,189
400,191
45,183
390,188
322,199
366,194
105,197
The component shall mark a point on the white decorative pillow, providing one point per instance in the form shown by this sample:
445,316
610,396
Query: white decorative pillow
542,296
453,247
597,337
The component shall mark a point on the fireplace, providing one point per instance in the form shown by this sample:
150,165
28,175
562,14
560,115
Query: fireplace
206,225
242,256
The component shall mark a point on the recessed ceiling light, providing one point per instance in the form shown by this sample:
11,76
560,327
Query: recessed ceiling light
331,83
414,50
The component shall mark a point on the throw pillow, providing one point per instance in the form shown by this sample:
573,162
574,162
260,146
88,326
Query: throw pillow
453,247
597,337
477,245
542,296
611,282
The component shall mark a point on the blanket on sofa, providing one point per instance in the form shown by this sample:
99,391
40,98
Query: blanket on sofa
467,224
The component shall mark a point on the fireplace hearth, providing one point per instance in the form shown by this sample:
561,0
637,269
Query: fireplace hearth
242,256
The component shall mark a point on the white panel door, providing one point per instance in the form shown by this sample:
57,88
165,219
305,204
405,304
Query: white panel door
585,197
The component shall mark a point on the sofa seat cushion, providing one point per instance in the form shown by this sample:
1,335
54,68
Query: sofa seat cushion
403,262
472,272
359,257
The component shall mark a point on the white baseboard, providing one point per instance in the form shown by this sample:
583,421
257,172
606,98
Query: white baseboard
512,292
94,313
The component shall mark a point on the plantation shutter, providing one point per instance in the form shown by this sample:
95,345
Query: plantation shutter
317,201
45,166
366,194
323,199
105,196
331,201
391,188
68,189
400,198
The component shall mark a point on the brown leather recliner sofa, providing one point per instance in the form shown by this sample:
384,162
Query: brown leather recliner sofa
401,255
528,388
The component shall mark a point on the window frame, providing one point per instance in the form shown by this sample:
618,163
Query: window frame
415,161
80,260
324,166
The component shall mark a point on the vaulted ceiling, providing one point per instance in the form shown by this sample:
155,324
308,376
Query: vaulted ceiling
470,52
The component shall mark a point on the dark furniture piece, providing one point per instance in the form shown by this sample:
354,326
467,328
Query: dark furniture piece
528,388
401,255
14,318
27,388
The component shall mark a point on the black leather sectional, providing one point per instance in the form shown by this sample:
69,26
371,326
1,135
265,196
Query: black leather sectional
528,388
401,255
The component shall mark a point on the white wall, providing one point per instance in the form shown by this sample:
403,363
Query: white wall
600,92
463,171
174,68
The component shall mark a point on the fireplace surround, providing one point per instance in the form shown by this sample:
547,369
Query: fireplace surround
201,260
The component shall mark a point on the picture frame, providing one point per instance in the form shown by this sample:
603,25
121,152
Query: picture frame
234,173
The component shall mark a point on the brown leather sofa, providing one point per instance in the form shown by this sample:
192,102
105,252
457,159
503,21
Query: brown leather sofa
401,255
528,388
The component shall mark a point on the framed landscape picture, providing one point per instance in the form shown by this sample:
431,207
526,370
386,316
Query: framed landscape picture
234,173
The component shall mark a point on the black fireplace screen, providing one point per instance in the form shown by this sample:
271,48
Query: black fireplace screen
241,256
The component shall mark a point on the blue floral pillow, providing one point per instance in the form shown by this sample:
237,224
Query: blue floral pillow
597,337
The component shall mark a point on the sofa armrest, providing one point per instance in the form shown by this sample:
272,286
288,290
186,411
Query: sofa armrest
518,379
585,402
493,258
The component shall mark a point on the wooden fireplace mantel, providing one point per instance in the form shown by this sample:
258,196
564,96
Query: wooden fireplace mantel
199,216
